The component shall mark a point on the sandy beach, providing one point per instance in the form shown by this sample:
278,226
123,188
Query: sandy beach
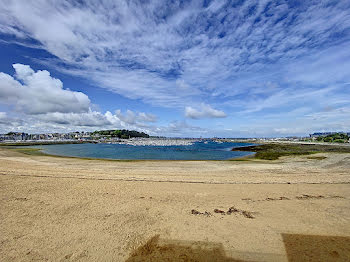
67,209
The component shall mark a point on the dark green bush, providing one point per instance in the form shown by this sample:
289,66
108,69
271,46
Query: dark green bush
328,139
268,155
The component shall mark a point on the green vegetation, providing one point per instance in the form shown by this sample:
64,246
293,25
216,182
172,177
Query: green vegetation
30,151
334,138
124,134
274,151
316,157
328,139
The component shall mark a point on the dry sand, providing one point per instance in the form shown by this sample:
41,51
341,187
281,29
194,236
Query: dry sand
66,209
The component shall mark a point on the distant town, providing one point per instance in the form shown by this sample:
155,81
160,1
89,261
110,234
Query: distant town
123,135
73,136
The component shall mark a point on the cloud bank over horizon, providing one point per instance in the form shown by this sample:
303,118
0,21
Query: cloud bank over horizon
254,68
40,98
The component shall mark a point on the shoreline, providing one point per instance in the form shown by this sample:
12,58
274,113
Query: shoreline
38,151
302,161
131,141
264,151
260,153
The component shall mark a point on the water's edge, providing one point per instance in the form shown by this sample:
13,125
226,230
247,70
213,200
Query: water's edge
137,153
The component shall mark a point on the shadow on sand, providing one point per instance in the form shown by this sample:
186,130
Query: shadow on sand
172,250
316,248
298,248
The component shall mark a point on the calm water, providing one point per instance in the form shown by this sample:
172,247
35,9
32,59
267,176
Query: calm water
197,151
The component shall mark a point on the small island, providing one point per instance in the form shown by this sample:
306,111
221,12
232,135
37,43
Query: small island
123,134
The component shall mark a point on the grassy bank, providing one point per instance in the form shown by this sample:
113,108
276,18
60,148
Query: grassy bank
275,150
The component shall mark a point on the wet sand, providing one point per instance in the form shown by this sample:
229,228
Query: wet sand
66,209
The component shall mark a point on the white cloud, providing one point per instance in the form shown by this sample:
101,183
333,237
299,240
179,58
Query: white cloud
174,55
7,122
139,50
3,115
42,104
131,117
66,122
205,111
40,93
182,84
89,119
180,129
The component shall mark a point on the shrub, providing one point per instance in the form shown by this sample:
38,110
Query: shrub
268,155
328,139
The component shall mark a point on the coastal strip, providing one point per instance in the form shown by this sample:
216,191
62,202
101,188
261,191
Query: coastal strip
273,151
131,141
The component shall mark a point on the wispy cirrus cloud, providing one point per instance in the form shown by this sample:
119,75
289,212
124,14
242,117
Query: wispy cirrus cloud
243,57
161,42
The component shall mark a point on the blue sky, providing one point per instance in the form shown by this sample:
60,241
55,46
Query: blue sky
175,68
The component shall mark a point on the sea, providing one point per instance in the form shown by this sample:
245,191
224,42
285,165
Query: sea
202,150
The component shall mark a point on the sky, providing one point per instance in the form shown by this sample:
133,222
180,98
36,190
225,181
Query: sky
175,68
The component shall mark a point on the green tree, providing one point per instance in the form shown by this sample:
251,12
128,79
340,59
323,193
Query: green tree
328,139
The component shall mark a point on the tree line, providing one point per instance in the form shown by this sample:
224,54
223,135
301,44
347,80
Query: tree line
336,138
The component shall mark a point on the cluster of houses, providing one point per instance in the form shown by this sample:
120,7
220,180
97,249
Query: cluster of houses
18,136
